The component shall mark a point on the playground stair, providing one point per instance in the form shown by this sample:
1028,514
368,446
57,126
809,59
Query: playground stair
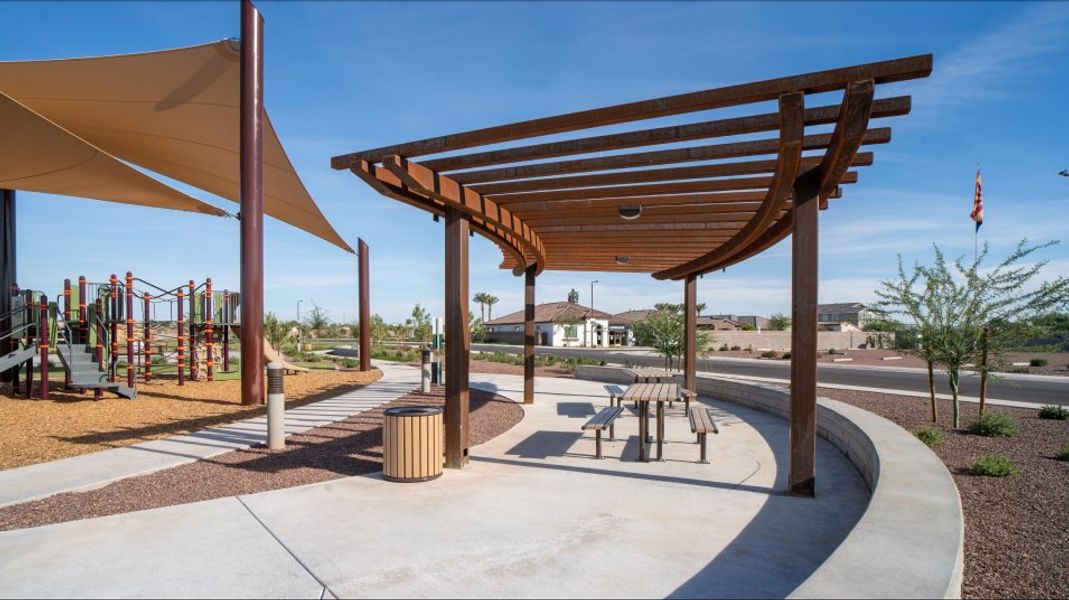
18,357
86,373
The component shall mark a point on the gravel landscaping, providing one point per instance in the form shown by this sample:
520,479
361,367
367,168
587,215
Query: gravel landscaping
342,449
1017,527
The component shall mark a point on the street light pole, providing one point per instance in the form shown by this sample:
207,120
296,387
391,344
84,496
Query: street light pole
590,334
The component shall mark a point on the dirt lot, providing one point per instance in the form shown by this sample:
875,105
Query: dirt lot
1057,362
349,447
70,423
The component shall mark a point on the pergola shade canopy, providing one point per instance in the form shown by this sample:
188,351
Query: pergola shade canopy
39,155
673,201
174,112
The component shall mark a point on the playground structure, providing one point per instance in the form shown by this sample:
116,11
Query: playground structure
98,329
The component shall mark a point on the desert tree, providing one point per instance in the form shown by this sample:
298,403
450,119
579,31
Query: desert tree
573,296
664,330
779,322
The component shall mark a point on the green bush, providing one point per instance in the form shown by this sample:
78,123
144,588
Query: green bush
158,359
1063,454
724,348
833,351
1037,362
736,348
993,424
349,363
995,465
1059,413
1019,370
931,435
769,354
786,356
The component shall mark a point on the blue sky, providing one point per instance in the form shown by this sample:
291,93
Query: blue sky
344,77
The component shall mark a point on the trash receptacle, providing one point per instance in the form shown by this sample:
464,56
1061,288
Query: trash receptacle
412,443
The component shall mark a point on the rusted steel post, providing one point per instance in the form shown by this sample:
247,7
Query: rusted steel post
42,345
83,325
192,331
209,330
67,322
803,415
365,304
529,333
113,319
457,339
8,278
690,336
28,295
130,376
226,330
147,350
98,327
252,205
181,338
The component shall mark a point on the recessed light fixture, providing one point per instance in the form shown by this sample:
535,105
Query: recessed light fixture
630,213
623,260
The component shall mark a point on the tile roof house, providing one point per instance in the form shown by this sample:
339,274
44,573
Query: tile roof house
556,324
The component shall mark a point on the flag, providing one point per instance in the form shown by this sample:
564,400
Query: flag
977,214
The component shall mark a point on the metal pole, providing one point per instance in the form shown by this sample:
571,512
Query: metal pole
529,333
209,330
130,377
252,205
803,414
99,330
690,337
181,338
192,331
42,344
365,305
147,337
115,304
225,320
8,278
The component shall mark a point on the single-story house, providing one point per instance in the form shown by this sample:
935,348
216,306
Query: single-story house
561,324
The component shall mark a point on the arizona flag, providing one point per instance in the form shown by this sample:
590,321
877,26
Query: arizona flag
978,203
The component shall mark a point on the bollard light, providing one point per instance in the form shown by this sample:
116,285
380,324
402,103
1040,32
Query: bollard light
425,364
276,407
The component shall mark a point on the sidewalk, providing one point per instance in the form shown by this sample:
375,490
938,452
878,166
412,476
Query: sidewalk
90,471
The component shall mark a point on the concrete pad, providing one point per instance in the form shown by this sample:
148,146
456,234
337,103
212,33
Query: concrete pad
94,470
213,549
535,515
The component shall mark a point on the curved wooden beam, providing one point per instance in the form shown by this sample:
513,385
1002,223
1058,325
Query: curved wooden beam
440,187
389,185
792,130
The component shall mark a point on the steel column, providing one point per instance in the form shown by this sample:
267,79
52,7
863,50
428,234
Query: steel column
252,205
42,344
457,338
225,321
690,337
8,275
803,417
209,330
365,304
181,337
130,376
147,337
529,338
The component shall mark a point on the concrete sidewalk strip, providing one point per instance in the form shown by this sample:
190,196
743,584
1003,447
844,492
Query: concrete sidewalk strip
90,471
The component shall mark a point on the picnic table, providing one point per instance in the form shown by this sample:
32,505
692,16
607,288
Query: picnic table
643,394
657,375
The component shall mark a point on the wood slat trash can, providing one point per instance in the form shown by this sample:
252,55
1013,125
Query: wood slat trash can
412,444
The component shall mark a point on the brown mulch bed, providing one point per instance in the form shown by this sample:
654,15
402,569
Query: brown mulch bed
486,366
1057,362
342,449
70,423
1016,528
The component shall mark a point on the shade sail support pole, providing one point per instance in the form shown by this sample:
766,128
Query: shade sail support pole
365,304
690,337
252,205
8,271
803,414
529,334
457,338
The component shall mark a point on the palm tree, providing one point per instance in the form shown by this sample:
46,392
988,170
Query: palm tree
481,297
490,302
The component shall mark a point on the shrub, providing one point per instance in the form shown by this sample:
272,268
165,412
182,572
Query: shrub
1037,362
992,424
931,435
736,348
769,354
1050,411
348,363
995,465
786,355
833,351
1019,370
724,348
749,348
1063,454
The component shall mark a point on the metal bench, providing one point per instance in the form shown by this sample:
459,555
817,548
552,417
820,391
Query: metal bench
606,418
702,423
686,396
615,394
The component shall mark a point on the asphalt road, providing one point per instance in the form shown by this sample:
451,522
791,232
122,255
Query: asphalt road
1048,390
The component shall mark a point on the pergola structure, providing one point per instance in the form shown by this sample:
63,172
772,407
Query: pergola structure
611,202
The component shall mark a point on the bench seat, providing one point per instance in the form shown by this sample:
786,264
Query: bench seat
605,419
702,423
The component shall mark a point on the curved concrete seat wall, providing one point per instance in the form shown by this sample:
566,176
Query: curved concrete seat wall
909,543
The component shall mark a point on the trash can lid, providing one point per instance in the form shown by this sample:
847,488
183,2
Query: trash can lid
413,411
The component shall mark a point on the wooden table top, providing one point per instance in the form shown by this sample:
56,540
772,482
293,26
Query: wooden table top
651,392
652,373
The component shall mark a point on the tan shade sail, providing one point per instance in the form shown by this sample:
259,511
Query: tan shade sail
40,156
174,112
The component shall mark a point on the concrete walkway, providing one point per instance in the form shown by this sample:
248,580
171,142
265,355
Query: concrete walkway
535,515
93,470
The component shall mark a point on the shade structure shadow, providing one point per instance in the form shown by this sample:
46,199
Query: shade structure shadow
576,410
544,444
